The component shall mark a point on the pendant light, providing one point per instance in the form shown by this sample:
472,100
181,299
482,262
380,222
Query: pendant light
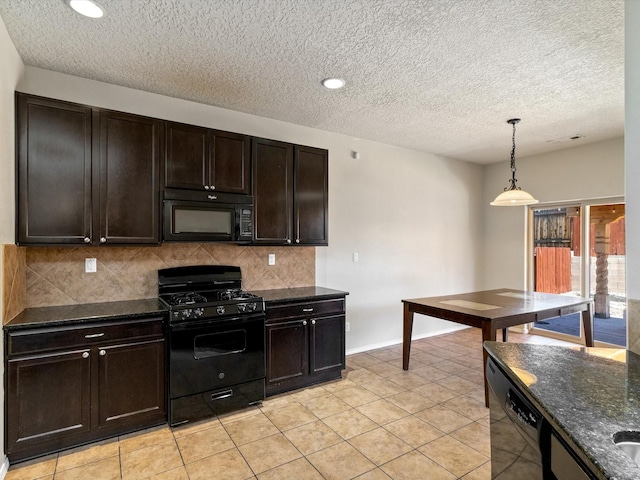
512,195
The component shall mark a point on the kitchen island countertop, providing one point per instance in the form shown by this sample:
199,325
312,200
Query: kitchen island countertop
587,394
83,313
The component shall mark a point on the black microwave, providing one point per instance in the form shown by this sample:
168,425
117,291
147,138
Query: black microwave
191,216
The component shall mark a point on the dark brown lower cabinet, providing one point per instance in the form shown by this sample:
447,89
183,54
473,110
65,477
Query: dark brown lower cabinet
305,343
74,385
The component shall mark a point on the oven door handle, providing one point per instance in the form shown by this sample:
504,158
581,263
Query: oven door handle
180,326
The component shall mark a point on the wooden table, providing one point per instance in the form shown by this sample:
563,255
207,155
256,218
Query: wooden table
494,310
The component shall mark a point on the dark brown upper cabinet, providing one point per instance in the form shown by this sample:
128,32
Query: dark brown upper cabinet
86,175
290,192
199,158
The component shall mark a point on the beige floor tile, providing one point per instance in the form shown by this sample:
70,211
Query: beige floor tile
325,405
204,443
375,474
237,415
338,385
362,376
430,373
476,436
436,393
481,473
108,469
291,416
385,369
415,466
40,467
356,396
386,354
350,423
87,454
382,411
414,431
340,462
453,367
193,427
145,438
312,437
179,473
458,384
408,380
383,387
299,469
468,407
250,428
363,359
227,465
268,453
307,393
410,401
453,455
144,462
380,446
443,418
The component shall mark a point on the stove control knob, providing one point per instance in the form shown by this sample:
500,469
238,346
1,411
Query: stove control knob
242,307
252,307
199,312
188,313
220,310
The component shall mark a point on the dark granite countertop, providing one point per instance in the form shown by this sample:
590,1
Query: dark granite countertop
88,312
299,294
587,394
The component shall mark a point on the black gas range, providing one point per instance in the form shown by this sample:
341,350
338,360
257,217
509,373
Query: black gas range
216,341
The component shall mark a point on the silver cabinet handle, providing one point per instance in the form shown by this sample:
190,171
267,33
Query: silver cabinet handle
206,187
304,322
87,240
85,354
297,240
313,322
212,197
307,310
103,240
212,187
103,353
288,241
94,335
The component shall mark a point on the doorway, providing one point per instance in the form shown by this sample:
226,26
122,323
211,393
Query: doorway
579,249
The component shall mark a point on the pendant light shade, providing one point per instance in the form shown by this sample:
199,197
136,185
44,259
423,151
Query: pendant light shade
513,195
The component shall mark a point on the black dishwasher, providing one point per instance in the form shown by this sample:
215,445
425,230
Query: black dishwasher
519,432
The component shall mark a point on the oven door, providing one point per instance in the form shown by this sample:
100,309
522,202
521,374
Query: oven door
211,354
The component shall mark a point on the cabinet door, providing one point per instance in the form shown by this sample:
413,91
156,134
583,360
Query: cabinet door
272,191
48,399
53,171
187,160
230,162
129,178
131,384
327,344
310,196
287,352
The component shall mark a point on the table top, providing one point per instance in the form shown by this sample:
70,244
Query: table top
499,303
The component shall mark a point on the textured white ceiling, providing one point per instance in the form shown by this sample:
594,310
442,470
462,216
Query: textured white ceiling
441,76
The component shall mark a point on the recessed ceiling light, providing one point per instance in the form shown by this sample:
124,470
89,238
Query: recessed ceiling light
88,8
333,83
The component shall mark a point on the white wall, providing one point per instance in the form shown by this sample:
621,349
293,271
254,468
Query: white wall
413,217
632,146
10,70
591,171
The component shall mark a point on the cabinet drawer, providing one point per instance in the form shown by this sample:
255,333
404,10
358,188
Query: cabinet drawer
86,335
305,309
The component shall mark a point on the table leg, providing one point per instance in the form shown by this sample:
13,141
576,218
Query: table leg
488,334
587,324
406,336
505,334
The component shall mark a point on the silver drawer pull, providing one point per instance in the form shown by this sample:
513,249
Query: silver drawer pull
94,335
313,322
307,309
221,395
304,322
85,354
103,353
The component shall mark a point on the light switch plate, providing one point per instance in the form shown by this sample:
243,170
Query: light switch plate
90,265
272,259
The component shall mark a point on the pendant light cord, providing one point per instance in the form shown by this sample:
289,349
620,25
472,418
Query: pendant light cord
513,180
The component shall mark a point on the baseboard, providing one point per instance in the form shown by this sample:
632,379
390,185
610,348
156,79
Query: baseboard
398,341
4,468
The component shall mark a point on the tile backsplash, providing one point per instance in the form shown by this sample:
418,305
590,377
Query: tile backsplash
49,276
